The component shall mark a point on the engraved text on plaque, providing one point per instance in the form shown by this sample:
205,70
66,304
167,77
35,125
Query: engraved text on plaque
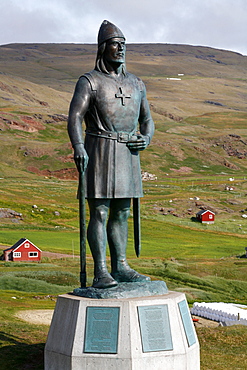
101,331
155,328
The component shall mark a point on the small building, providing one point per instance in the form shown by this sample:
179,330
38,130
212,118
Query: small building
23,250
205,216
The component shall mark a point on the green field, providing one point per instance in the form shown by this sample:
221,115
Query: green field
202,261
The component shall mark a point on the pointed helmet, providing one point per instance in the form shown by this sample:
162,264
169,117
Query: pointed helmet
107,31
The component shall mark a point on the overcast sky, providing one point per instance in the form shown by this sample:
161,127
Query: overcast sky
217,23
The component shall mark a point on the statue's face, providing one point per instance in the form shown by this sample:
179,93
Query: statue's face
115,50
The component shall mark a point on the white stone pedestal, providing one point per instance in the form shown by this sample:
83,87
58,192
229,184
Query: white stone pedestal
154,333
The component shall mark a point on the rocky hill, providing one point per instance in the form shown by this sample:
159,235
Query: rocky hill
197,97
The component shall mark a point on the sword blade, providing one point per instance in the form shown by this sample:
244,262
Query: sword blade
137,225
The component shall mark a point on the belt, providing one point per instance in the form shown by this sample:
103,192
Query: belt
121,137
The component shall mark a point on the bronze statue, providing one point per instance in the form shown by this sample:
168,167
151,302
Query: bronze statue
113,104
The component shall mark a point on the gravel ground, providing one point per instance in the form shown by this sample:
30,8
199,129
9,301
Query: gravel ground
38,317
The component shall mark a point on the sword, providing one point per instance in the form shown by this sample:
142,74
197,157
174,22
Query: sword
82,215
137,225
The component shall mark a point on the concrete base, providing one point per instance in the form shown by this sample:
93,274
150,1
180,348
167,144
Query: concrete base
154,333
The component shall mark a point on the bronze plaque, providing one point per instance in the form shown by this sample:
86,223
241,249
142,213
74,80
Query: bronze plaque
187,322
155,328
101,330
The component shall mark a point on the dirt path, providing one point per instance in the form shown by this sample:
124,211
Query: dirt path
38,317
53,255
205,323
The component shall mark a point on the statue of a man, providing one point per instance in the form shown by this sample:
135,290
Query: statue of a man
113,104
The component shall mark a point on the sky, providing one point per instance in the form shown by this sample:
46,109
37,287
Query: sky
220,24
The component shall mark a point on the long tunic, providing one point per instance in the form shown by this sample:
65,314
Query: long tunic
115,107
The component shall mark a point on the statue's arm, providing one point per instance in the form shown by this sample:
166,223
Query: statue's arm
146,126
145,119
78,107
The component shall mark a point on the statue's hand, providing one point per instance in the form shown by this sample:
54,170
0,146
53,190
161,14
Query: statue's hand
80,157
139,142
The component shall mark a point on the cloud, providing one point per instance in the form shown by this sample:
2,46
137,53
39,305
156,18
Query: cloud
216,23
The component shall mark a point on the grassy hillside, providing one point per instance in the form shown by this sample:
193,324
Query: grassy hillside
200,118
198,100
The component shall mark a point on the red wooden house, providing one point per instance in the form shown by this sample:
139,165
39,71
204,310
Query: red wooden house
205,217
23,250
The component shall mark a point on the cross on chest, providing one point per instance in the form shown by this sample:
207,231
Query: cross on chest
122,96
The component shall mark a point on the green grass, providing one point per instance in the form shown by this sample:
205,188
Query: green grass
53,282
57,241
223,120
163,237
201,280
21,343
51,277
223,348
23,284
206,269
159,239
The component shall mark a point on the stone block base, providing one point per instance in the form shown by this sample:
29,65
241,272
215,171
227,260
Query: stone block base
154,333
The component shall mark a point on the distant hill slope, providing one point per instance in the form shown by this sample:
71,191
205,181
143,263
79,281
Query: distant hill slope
197,96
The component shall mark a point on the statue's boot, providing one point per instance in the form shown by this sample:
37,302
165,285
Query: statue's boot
123,273
103,279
